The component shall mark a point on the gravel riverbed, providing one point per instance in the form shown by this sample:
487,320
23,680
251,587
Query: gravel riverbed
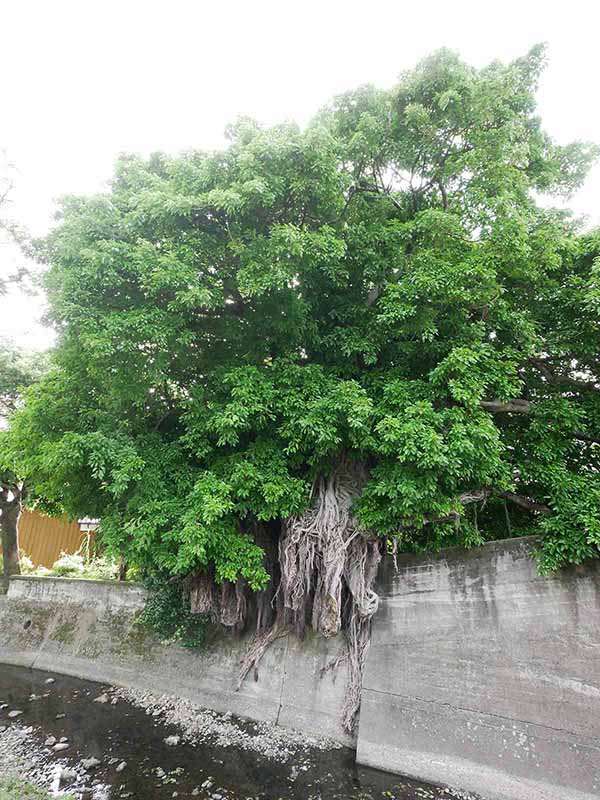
199,725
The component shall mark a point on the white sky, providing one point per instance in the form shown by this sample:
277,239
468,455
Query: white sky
85,80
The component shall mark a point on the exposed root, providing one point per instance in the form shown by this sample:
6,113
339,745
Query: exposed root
360,573
226,604
326,567
256,651
313,551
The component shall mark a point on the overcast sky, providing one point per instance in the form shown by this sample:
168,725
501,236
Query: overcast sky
83,81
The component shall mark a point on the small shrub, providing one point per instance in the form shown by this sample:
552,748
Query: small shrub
69,564
27,567
168,614
73,565
15,789
101,568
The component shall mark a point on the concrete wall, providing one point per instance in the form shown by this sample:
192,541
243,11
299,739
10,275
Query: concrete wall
104,596
484,675
88,629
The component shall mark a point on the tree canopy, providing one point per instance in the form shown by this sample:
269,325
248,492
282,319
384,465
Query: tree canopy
382,288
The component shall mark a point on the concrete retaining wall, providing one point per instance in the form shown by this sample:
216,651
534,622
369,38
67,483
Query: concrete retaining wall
88,629
482,674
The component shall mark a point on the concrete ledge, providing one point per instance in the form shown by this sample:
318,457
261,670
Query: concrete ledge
105,594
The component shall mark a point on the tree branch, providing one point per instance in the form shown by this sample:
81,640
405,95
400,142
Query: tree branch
525,502
518,406
373,295
483,493
553,377
521,406
444,194
374,189
586,437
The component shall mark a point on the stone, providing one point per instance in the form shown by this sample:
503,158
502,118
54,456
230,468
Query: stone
172,741
90,763
60,746
120,767
14,714
50,741
67,775
48,681
103,698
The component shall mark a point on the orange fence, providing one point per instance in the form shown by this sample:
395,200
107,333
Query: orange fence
43,539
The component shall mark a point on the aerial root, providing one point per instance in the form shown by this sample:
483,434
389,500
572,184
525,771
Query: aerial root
328,569
328,565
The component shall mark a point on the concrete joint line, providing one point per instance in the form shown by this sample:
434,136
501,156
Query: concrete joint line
283,677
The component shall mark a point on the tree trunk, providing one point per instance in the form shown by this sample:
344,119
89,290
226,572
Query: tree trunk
122,569
10,512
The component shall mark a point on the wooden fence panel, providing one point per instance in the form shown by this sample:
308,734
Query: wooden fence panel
43,539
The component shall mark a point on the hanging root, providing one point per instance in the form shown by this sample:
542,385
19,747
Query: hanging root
361,571
230,604
325,570
226,604
328,569
256,651
313,551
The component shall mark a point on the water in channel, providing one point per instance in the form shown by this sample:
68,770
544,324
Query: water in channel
135,762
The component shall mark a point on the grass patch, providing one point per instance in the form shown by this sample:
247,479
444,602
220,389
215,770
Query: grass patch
15,789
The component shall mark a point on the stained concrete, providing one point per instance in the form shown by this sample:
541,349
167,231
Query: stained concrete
483,674
107,595
88,629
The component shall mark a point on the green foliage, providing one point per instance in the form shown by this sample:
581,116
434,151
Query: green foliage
16,789
378,287
74,565
18,370
168,614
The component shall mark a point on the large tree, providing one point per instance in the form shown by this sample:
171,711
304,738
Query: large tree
274,357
